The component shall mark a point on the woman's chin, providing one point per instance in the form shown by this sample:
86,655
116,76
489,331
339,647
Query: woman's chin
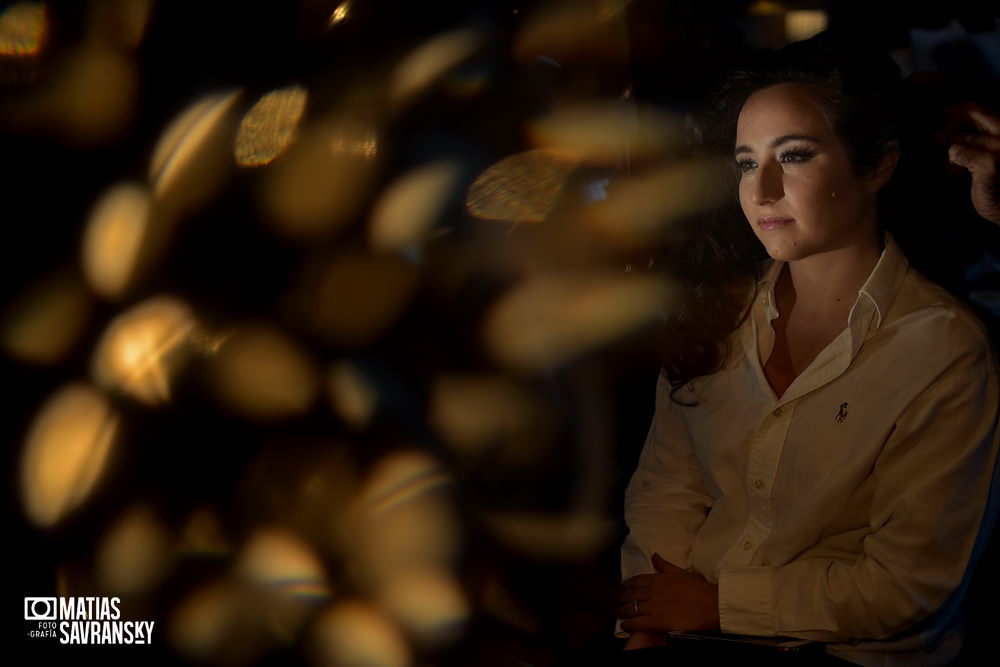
783,252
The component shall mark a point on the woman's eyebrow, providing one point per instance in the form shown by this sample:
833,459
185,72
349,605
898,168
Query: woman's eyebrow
784,139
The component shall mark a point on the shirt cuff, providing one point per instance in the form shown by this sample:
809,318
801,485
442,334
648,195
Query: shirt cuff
746,603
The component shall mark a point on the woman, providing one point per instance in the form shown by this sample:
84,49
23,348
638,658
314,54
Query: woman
826,474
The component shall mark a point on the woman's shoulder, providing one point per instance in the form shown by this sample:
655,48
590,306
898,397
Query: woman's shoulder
927,313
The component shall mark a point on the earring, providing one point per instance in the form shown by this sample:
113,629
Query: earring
833,195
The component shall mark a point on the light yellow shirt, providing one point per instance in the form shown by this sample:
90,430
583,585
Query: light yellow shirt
849,509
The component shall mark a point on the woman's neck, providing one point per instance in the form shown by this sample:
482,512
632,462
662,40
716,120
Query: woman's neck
827,284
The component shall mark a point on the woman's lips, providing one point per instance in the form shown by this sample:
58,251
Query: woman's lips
768,224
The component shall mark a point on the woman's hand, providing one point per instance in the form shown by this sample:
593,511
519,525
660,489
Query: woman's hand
671,599
979,154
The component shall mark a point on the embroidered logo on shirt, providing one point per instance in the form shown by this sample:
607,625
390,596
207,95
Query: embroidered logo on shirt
842,413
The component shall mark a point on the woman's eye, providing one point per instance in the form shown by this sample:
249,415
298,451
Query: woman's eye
745,165
797,156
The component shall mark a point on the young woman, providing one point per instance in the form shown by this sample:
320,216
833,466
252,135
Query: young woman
826,474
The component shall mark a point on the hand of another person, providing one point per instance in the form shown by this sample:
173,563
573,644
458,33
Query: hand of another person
670,599
979,154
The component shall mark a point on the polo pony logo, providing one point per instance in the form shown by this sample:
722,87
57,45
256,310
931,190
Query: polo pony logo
842,414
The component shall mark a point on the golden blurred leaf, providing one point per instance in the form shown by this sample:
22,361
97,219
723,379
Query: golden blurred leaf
520,188
135,554
357,634
262,373
191,157
45,322
320,183
65,452
608,133
575,31
640,211
428,62
427,602
269,127
354,296
23,28
549,320
113,241
143,348
407,209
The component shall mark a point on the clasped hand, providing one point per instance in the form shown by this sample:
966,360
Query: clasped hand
670,599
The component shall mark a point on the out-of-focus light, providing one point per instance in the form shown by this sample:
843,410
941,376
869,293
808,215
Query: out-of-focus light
407,209
190,158
495,599
608,133
352,396
804,23
427,602
113,240
355,633
551,537
23,28
92,96
639,211
428,62
354,296
143,348
520,188
270,125
476,412
340,14
42,326
202,534
277,559
65,452
765,8
204,619
135,554
401,518
547,321
466,82
262,373
322,180
582,30
119,22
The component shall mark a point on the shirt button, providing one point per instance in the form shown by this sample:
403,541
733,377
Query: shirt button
777,412
748,545
758,483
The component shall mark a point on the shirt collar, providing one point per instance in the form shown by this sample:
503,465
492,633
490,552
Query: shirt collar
876,295
867,314
884,282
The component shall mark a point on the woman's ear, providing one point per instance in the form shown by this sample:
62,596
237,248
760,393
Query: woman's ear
883,171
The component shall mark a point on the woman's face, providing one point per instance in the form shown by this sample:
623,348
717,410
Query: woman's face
798,189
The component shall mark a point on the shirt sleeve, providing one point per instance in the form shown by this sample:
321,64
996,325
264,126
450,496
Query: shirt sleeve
932,484
666,501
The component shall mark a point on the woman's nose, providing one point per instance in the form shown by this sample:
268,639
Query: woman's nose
768,187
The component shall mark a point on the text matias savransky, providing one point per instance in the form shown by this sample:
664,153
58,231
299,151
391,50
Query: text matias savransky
85,620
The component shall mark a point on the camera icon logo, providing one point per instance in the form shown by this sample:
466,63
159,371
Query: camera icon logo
40,609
